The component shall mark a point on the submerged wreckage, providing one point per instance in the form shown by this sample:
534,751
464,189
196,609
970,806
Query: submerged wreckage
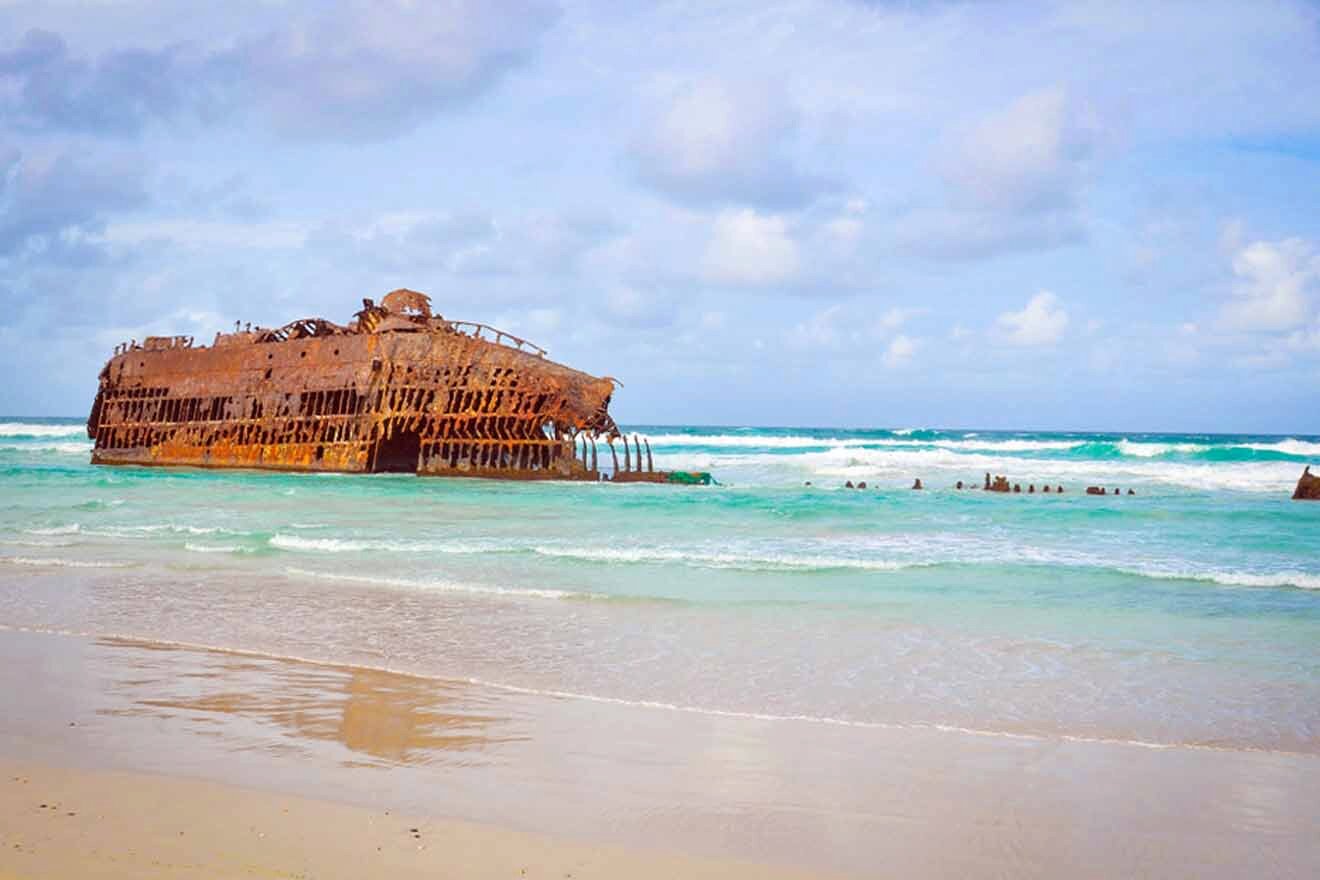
400,389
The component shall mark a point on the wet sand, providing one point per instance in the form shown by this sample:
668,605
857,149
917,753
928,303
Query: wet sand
84,823
176,761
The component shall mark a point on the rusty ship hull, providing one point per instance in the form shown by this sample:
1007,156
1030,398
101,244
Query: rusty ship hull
398,390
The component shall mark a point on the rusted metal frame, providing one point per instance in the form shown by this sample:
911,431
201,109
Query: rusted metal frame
314,422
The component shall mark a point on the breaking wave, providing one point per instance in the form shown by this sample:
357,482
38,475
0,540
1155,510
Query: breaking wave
68,529
940,468
440,586
1298,579
923,554
1081,448
739,561
697,558
1150,449
25,429
63,448
154,528
215,548
1287,447
62,563
367,545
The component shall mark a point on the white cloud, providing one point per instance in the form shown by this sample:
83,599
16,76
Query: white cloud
895,317
1306,339
1032,155
1042,322
706,127
717,140
899,352
750,248
208,233
851,331
631,307
969,232
1274,281
821,330
1015,180
365,71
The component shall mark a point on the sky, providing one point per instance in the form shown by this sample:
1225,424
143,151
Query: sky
1073,216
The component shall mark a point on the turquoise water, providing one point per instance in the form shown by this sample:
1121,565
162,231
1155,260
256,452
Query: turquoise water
1186,614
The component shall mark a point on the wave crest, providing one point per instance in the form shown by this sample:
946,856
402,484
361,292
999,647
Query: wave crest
53,562
441,586
31,429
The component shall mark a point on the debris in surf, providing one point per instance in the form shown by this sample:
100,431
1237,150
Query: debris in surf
1308,487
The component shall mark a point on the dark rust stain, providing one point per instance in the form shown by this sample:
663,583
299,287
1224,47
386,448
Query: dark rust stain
397,389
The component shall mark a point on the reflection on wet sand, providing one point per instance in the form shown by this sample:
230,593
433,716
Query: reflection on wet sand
379,717
860,800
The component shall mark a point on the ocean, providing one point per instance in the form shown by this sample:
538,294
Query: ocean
1184,615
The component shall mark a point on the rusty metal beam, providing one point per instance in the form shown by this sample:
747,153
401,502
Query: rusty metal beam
399,388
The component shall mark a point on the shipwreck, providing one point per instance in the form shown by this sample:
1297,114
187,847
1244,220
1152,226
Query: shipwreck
398,389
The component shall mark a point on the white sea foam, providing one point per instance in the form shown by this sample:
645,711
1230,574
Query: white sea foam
1299,579
63,448
213,548
897,466
971,442
1150,450
25,429
890,553
766,561
61,563
68,529
439,585
368,545
149,528
930,556
1004,445
1288,447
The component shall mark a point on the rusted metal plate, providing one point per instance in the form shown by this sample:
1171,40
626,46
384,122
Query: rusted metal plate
397,389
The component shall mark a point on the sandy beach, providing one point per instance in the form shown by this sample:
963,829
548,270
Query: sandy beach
127,759
84,823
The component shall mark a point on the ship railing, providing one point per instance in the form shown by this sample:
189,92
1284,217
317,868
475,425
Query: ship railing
478,330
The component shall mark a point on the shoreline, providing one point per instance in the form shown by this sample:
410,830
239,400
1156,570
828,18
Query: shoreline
934,728
569,781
